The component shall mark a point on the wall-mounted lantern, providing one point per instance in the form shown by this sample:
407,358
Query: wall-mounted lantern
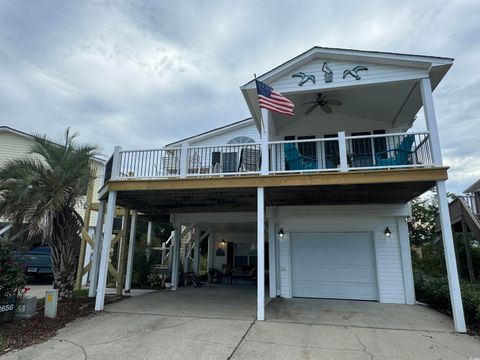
281,233
387,233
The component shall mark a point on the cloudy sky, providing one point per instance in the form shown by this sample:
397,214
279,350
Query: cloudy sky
145,73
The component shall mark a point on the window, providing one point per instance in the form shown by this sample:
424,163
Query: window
241,140
245,254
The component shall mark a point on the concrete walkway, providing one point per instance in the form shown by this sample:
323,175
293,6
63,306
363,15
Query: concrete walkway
218,323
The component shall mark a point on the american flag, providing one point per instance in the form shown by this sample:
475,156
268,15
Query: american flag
273,100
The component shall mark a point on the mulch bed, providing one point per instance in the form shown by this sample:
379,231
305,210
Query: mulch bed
38,328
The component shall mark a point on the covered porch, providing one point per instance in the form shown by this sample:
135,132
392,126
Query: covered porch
246,215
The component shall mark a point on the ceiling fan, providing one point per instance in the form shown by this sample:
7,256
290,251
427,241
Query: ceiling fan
324,104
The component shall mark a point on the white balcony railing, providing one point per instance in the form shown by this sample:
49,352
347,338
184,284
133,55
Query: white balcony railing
341,153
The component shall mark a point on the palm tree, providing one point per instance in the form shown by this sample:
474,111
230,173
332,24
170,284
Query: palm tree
40,191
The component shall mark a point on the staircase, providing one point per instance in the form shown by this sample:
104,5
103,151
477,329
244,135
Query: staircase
164,265
466,209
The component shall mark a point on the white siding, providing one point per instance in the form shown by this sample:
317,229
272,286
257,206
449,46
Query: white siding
355,218
223,138
375,73
13,146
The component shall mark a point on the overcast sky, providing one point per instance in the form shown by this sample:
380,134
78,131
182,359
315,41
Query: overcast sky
144,73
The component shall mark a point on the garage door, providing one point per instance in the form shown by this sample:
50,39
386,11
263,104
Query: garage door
333,265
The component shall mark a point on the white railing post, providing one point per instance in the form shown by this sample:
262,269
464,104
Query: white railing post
183,160
117,159
342,151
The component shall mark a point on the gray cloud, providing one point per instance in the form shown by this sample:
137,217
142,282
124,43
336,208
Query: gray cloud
142,73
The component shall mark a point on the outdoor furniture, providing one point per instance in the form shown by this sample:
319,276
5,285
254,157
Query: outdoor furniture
249,160
397,156
297,161
243,273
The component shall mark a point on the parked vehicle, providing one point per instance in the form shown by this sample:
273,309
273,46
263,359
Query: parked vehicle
36,262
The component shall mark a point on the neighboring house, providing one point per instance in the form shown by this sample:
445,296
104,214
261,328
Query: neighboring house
465,217
15,144
317,201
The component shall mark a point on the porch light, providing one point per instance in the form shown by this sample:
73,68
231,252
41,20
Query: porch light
281,233
387,232
223,242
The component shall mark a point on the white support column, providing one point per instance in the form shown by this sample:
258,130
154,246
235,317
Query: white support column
196,250
105,258
264,169
448,245
272,259
96,249
210,255
406,255
149,239
176,256
342,151
131,251
183,160
430,120
260,254
450,260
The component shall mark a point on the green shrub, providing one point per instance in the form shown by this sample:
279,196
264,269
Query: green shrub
154,280
12,277
435,292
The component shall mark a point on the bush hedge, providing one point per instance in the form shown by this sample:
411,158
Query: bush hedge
434,291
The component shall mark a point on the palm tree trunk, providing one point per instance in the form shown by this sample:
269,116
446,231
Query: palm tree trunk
65,246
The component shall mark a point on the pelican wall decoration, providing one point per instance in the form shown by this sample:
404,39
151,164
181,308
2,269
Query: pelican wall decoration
304,78
354,72
328,72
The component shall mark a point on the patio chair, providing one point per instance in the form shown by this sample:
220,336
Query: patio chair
297,161
249,160
397,156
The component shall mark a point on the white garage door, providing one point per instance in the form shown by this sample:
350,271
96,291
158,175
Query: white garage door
333,265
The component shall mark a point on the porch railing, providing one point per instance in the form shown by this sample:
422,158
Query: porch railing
224,159
388,151
473,202
341,153
152,163
345,153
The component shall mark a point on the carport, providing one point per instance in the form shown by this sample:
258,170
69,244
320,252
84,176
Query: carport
236,302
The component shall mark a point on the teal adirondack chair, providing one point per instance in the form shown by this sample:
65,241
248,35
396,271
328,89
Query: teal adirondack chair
396,156
297,161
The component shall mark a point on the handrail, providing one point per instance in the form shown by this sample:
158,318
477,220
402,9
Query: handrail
302,141
387,134
341,153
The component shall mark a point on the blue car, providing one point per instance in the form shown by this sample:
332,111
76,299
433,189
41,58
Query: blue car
36,262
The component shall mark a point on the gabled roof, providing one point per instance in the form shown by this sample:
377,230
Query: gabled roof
380,57
8,129
213,132
472,188
421,65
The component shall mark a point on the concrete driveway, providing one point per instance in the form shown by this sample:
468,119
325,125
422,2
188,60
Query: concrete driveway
218,323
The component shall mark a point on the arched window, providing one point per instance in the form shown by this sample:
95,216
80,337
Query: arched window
241,140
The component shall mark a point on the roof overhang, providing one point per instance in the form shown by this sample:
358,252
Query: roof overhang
472,188
9,130
421,67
